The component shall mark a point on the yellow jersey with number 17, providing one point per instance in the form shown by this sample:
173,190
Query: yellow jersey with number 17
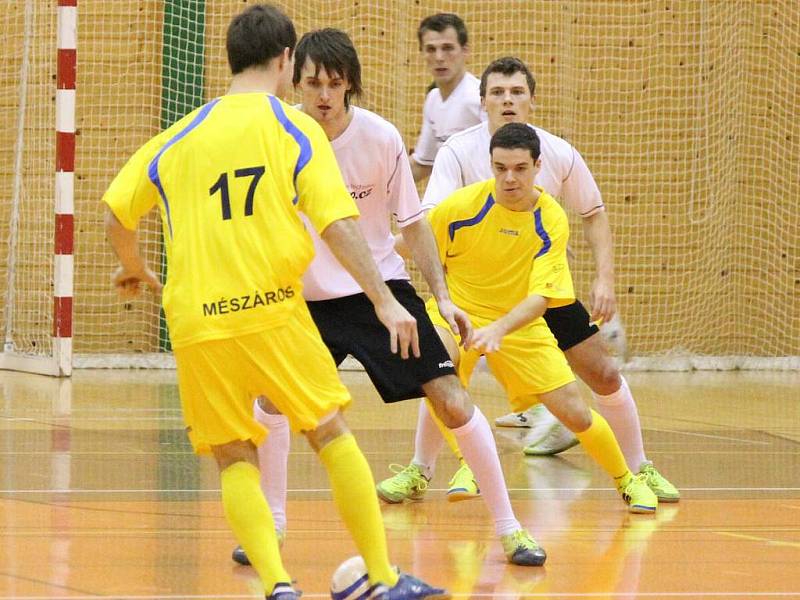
495,257
229,179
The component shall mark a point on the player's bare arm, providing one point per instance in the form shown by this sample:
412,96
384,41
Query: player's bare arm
488,339
422,245
132,270
597,230
401,247
348,245
419,171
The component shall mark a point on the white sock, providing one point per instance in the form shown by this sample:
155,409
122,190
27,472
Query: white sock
428,441
477,445
273,457
619,409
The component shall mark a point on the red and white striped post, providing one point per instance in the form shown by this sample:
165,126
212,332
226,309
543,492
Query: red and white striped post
65,184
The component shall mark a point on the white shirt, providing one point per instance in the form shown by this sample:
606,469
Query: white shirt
375,167
443,118
464,159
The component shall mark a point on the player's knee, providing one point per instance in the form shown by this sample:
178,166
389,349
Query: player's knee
591,362
449,400
328,429
601,374
454,414
568,407
607,379
233,452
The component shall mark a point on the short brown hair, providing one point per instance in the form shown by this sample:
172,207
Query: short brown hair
508,65
257,35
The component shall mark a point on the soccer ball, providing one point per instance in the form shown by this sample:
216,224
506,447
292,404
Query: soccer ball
350,580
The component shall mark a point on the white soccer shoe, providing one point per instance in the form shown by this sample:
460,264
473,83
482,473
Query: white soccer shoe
529,418
555,439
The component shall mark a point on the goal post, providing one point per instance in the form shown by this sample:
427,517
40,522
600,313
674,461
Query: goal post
38,332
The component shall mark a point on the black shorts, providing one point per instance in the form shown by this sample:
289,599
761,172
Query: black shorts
570,324
349,325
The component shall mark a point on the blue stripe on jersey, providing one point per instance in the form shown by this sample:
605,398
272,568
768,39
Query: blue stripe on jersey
294,131
456,225
152,170
546,243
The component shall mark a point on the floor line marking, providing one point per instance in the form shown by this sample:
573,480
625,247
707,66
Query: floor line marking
189,452
325,490
709,435
755,538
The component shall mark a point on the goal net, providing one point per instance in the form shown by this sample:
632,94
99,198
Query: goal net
686,112
27,168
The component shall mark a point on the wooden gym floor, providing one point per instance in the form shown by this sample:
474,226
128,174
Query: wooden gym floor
100,496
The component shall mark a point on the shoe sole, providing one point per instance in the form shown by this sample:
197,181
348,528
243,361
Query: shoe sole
640,509
510,426
460,495
390,500
530,452
668,499
537,563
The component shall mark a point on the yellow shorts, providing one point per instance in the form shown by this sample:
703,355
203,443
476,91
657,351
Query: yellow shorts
528,363
288,364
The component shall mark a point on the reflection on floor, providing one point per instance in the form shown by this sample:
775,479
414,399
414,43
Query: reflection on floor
101,495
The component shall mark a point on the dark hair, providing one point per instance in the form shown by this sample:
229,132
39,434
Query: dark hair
508,65
441,21
512,136
332,50
257,35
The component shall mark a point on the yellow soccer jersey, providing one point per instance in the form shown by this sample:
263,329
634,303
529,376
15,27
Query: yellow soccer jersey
229,178
494,257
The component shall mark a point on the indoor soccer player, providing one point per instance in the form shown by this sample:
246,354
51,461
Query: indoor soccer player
503,244
452,104
374,162
229,179
507,89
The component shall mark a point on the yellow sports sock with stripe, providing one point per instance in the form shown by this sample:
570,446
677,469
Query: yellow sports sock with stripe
446,433
600,443
249,516
354,495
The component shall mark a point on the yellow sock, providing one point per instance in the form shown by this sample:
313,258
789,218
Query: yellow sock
354,495
600,443
249,516
448,435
